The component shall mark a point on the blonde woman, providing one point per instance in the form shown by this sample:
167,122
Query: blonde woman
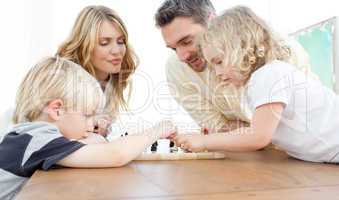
99,43
55,109
290,109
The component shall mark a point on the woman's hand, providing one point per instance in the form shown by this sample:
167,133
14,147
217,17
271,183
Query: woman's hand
102,124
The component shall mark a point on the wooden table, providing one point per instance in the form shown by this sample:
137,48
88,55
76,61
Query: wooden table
262,175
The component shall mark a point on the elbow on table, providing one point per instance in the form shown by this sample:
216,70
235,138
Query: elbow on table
262,141
121,158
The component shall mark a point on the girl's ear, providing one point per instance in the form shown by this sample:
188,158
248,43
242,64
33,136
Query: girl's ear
53,109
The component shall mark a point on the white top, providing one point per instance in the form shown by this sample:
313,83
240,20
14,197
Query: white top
209,106
309,128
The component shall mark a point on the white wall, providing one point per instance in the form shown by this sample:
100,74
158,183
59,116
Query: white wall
32,29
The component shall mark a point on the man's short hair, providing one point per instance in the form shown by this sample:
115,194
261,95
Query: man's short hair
199,10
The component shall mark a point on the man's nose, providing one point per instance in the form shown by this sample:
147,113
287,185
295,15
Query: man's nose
183,54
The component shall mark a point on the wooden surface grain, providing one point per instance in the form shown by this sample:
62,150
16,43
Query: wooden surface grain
268,174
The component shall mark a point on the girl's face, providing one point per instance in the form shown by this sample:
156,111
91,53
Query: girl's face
228,75
109,50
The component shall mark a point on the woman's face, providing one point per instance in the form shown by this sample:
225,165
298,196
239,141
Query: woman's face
109,50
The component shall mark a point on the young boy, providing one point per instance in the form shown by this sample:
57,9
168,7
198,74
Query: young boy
55,109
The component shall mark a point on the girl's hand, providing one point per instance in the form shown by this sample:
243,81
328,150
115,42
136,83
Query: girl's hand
191,142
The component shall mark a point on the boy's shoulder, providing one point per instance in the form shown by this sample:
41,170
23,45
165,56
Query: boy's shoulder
29,134
35,128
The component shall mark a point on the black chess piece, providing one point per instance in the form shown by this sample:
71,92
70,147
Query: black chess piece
154,146
171,144
172,147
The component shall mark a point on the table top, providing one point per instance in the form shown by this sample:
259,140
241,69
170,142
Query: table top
267,174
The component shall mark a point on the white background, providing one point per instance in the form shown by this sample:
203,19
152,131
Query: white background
32,29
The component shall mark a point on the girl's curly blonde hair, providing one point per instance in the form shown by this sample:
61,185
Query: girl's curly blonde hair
245,39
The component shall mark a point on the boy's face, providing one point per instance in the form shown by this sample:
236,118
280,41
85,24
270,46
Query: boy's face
76,125
180,35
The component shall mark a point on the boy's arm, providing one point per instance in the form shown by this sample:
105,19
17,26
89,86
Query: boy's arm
113,154
118,152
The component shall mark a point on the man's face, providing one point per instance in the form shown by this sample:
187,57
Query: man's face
180,35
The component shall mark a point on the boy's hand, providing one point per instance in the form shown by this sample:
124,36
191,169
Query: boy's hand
93,138
191,142
165,129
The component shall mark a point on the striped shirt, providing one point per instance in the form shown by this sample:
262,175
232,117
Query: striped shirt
27,148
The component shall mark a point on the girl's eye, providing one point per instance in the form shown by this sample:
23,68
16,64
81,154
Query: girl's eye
219,62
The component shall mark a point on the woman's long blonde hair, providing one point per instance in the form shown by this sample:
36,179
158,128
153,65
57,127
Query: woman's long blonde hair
246,40
79,46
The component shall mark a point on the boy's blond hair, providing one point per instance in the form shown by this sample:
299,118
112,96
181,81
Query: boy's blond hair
245,39
56,78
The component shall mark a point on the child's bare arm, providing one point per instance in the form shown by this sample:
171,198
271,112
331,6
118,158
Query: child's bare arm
94,138
118,152
258,135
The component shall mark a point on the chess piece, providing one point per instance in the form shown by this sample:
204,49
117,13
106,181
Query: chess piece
154,146
172,147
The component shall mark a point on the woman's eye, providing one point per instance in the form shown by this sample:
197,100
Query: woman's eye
104,43
121,42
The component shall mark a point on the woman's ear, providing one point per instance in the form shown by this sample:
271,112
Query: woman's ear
53,109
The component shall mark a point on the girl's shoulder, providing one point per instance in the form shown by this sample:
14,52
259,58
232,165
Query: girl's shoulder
275,68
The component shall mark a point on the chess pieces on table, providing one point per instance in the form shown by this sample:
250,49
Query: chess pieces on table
167,150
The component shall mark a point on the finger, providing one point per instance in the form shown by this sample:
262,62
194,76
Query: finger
102,131
173,135
181,140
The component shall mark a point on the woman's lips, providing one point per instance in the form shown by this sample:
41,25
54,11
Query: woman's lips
116,61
